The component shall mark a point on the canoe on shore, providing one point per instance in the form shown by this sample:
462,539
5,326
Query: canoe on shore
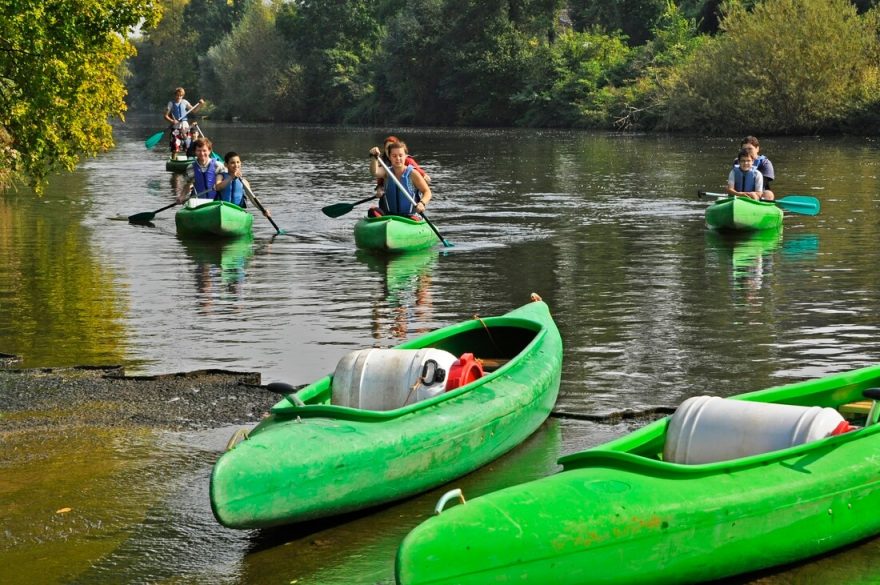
336,446
681,500
743,214
393,233
202,218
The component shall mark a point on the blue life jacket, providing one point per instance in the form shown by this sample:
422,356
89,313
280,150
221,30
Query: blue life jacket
204,180
178,110
233,192
394,201
744,181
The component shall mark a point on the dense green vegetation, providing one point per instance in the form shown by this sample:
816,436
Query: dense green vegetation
727,66
763,66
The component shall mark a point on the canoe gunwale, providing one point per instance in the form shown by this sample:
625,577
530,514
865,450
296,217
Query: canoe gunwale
285,409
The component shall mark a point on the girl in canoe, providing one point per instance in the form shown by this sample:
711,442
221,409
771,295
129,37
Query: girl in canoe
744,180
393,201
380,183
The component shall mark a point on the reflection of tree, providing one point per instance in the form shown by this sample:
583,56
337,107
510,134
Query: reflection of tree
220,268
407,291
58,302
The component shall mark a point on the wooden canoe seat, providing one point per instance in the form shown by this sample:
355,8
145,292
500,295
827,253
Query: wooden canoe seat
856,409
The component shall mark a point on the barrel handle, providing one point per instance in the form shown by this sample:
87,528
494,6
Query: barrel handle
444,499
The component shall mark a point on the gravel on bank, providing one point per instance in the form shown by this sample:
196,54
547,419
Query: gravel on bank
106,396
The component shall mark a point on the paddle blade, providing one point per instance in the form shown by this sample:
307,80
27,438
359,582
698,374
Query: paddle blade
154,139
801,204
337,209
216,156
141,217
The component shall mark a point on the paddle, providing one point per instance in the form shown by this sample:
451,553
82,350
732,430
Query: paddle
802,204
261,208
390,173
149,215
340,209
286,390
155,138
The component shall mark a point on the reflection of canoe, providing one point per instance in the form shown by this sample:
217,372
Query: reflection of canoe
212,220
393,233
229,255
745,248
401,271
619,513
743,214
178,165
319,459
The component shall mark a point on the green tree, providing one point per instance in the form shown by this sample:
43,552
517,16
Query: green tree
633,18
788,66
60,79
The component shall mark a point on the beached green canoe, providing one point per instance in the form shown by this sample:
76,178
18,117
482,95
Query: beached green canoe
685,499
178,165
743,214
215,219
321,458
393,233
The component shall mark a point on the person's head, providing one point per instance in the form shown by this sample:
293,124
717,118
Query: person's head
745,159
232,160
389,141
179,93
751,143
203,150
396,152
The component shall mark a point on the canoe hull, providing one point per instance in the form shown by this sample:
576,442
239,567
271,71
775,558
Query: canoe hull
617,515
392,233
320,460
218,219
178,165
743,214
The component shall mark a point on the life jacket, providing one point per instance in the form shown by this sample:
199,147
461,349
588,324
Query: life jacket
233,193
204,180
744,181
179,110
395,202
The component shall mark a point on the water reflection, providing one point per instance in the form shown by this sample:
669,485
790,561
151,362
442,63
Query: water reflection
407,291
220,268
750,256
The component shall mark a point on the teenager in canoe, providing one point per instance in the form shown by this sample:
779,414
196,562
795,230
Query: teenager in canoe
380,183
744,179
202,174
178,109
393,201
231,186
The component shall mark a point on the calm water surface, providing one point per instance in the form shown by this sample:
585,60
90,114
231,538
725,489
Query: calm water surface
607,228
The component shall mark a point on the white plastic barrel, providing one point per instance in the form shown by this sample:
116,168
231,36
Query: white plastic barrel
385,379
708,428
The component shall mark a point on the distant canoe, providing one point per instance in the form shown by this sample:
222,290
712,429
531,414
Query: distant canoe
178,165
393,233
743,214
215,219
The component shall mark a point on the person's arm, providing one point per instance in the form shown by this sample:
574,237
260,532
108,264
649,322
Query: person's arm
421,184
731,183
168,115
759,184
197,106
223,179
375,168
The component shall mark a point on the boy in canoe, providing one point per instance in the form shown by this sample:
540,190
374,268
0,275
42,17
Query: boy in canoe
202,175
761,163
178,109
744,179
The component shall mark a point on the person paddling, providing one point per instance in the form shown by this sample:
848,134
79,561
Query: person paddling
380,182
202,174
393,201
178,109
233,187
761,163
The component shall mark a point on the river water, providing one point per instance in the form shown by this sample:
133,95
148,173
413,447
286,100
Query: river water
607,228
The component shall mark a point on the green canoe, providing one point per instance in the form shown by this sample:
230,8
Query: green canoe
217,219
743,214
624,513
180,165
393,233
319,459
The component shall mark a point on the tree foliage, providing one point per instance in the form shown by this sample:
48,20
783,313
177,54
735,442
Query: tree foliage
787,66
60,79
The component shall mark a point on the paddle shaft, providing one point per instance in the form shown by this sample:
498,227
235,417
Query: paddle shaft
400,186
260,207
